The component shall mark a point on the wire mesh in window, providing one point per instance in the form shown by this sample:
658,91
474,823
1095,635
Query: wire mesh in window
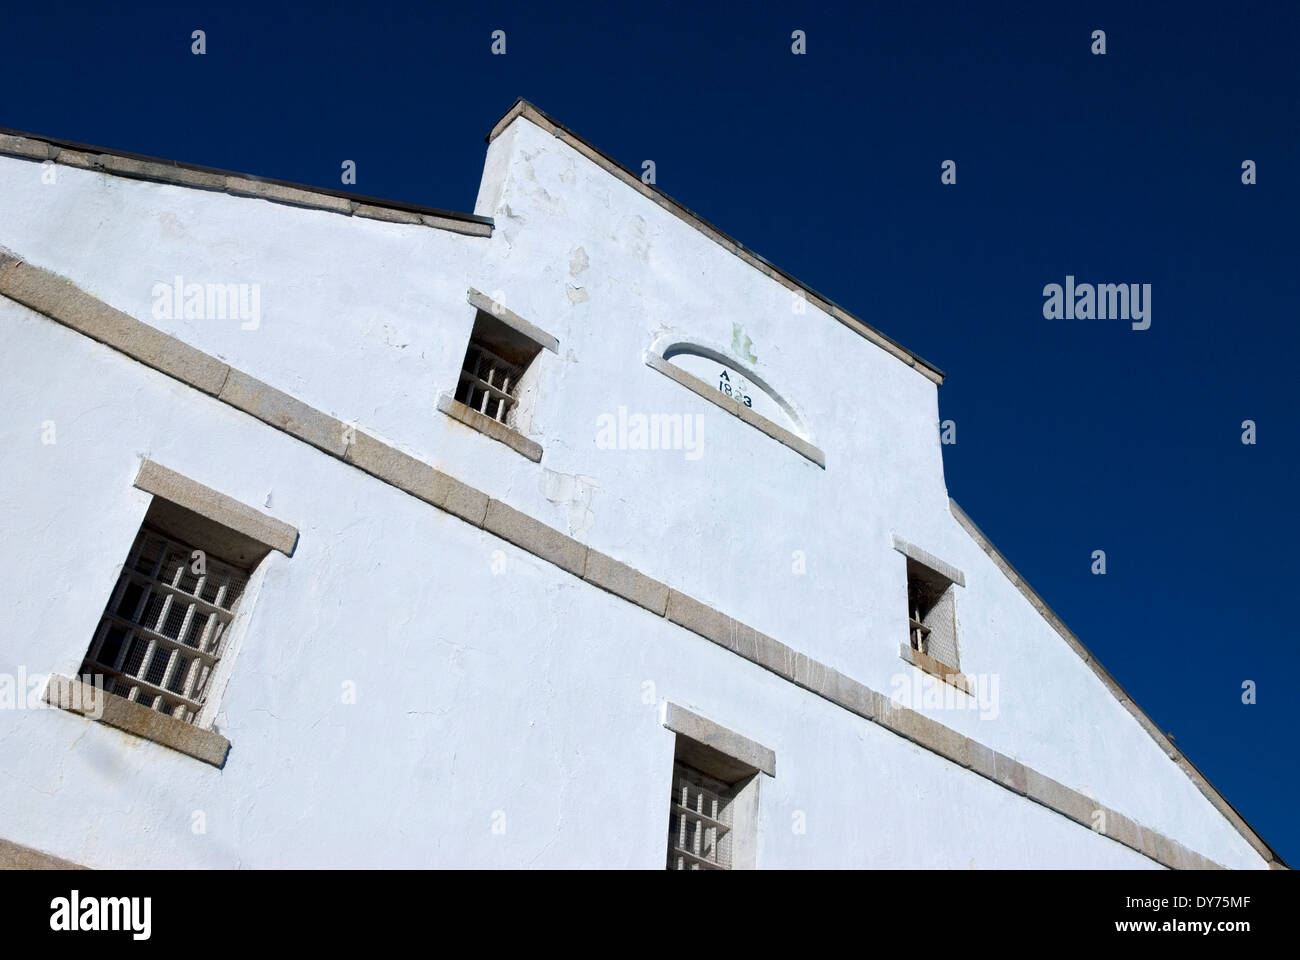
941,642
488,383
932,615
699,822
164,628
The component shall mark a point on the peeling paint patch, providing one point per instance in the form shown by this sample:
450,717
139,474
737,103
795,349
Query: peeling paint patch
573,492
555,203
578,264
741,345
635,237
171,225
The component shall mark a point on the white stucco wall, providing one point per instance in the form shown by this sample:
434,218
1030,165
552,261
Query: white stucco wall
520,691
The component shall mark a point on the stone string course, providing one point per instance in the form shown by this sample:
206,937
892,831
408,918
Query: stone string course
60,300
15,856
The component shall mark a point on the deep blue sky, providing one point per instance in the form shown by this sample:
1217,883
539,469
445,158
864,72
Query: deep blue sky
1072,435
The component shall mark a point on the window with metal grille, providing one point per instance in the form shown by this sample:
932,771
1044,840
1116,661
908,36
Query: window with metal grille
497,373
699,822
488,383
165,625
931,609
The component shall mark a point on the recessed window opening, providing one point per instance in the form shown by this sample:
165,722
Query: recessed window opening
167,621
496,361
931,613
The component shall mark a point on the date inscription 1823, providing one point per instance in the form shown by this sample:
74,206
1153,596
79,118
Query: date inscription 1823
740,391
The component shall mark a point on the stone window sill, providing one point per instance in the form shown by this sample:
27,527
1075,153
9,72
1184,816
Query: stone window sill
486,425
935,668
76,696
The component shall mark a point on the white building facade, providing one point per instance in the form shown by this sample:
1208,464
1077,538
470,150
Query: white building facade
538,537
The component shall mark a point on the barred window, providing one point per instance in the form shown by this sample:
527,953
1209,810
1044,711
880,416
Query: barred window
165,625
498,377
713,807
488,383
699,822
931,607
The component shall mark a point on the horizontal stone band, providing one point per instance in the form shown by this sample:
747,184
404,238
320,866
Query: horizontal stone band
63,302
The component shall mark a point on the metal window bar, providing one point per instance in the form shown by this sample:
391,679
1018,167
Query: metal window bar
920,632
162,632
699,822
487,383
